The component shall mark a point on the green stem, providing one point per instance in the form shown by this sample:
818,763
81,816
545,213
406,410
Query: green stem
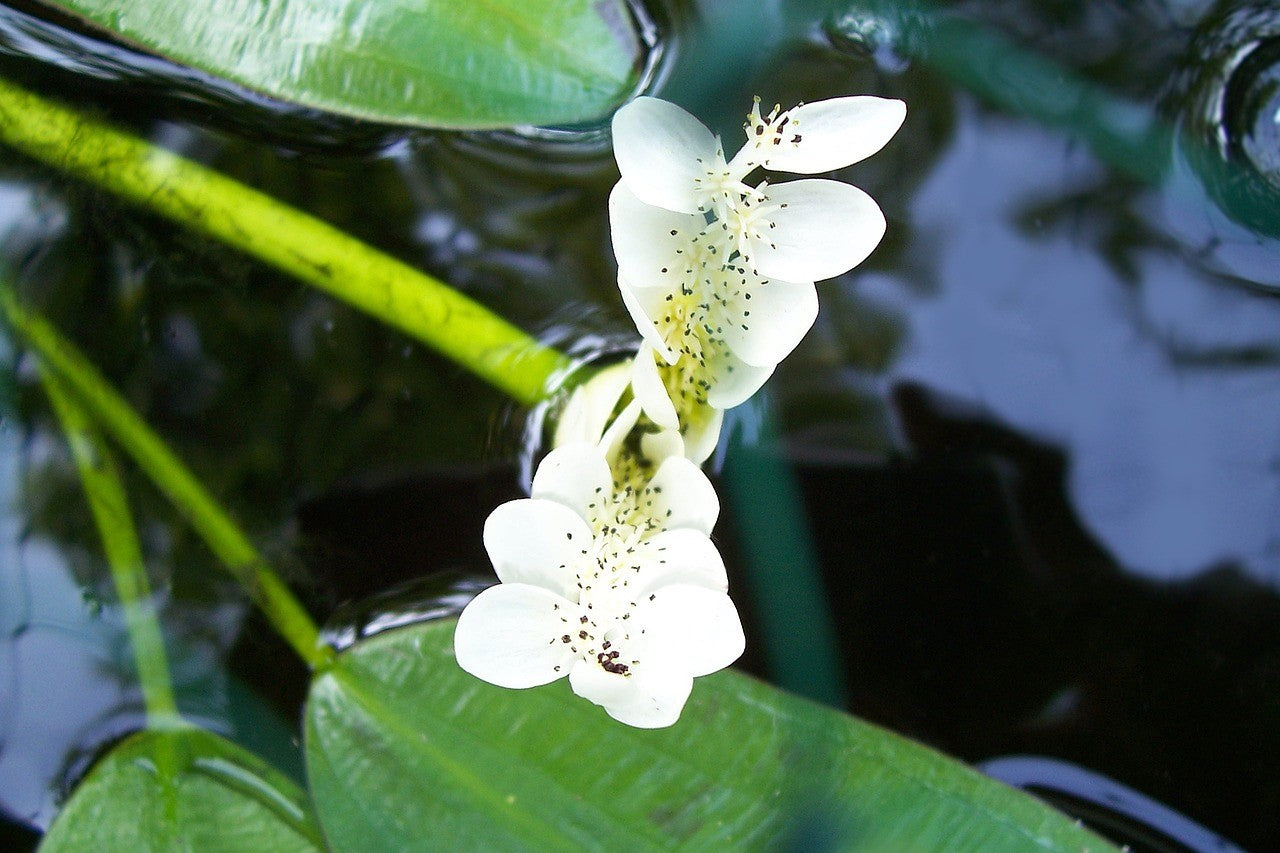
213,524
784,579
120,542
317,253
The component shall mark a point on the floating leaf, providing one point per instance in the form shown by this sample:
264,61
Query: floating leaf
439,63
183,789
405,750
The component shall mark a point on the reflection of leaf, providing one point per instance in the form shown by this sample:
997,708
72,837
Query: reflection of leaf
405,750
183,789
1105,215
441,64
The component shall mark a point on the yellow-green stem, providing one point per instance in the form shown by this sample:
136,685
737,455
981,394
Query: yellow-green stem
319,254
92,392
120,542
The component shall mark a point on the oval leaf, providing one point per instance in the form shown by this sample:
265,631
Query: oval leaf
404,749
184,789
438,63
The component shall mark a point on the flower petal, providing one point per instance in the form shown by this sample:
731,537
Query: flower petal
692,624
533,541
575,476
645,305
647,385
680,496
702,433
734,382
509,635
660,150
651,243
825,229
657,446
683,556
587,413
836,133
765,328
611,441
646,697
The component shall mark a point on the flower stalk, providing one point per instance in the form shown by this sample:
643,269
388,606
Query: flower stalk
315,252
233,549
110,510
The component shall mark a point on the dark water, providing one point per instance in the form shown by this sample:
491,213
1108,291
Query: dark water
1034,440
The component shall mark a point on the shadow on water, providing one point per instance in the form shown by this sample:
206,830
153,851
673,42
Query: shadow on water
1035,438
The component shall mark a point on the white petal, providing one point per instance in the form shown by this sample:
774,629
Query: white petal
680,495
647,697
657,446
735,381
685,557
827,228
661,150
702,434
764,329
647,385
509,635
645,305
575,476
611,441
532,541
697,626
836,133
650,243
586,414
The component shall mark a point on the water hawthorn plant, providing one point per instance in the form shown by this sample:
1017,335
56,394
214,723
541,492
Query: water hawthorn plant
607,572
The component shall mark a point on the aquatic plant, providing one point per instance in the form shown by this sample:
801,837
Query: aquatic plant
607,574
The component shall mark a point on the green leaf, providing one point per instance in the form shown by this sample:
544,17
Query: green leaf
183,789
405,750
440,63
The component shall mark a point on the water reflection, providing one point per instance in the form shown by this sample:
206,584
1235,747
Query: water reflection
1223,187
1119,813
1174,458
422,600
1070,298
55,658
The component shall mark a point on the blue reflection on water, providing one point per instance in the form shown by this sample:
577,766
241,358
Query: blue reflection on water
1159,381
56,686
55,659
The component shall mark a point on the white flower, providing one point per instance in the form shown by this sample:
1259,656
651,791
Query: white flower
718,275
590,407
614,583
725,326
805,230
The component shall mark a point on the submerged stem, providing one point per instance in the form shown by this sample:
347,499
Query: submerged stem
317,253
214,525
110,509
784,576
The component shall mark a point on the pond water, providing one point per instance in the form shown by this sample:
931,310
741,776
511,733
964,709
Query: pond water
1032,445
